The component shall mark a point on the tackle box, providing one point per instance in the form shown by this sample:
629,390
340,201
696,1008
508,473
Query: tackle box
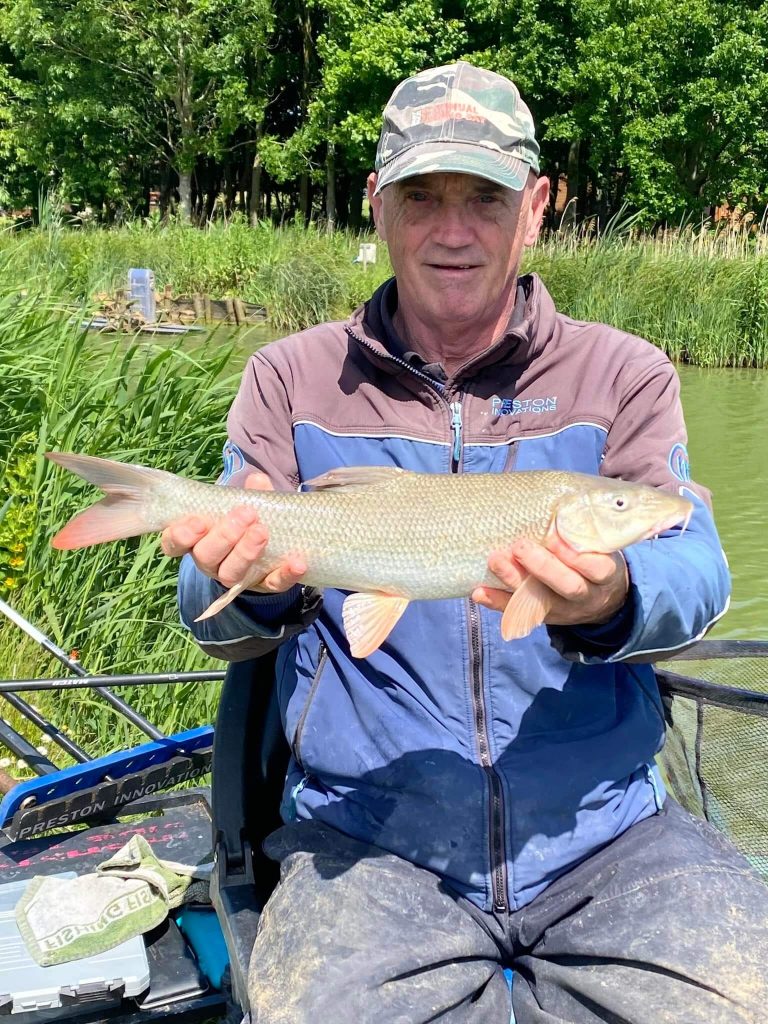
25,986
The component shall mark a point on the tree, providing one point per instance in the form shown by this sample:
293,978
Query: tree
169,78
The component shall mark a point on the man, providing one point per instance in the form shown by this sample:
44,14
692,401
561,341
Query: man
455,804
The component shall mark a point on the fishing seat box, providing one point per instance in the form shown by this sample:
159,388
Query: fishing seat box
171,986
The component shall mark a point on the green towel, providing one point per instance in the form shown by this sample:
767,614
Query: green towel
64,919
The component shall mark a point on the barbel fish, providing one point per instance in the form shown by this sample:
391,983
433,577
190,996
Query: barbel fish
388,535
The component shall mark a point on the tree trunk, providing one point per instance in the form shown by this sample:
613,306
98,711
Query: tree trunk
342,199
185,196
573,179
356,185
244,184
254,194
330,187
305,198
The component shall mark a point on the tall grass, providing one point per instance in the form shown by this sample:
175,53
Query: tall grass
702,296
136,401
303,276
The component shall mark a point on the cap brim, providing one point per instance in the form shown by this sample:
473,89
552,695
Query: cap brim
459,157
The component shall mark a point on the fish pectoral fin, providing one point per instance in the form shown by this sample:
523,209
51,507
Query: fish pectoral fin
355,477
526,609
229,597
369,619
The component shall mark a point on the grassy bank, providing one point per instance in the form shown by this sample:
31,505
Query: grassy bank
60,389
701,297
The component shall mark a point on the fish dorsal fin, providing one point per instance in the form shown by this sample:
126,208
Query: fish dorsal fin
369,619
354,477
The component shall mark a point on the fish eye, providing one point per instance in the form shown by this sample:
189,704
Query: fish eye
619,503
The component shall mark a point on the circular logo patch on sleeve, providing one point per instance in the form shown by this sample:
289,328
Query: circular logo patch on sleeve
679,463
233,462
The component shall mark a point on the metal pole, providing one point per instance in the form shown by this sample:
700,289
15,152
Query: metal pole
24,749
116,702
34,716
173,678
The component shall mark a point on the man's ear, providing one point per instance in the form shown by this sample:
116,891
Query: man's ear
376,206
536,209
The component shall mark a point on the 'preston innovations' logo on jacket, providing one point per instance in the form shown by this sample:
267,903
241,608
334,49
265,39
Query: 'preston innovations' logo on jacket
511,406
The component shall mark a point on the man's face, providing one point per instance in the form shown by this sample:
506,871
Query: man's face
455,242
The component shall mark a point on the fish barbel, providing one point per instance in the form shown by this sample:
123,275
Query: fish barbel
388,535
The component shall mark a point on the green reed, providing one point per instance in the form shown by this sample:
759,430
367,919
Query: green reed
700,295
131,400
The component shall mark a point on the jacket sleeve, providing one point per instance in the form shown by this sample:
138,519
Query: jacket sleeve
679,583
260,438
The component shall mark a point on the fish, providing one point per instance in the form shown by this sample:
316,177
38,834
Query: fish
387,535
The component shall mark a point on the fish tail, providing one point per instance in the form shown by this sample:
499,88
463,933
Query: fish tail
124,511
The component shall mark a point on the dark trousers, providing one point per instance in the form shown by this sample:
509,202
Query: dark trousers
666,925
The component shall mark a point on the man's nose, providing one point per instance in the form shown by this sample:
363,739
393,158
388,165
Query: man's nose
454,225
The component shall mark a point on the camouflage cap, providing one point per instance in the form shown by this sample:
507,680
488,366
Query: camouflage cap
457,118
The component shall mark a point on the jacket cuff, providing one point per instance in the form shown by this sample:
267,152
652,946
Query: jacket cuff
248,627
600,641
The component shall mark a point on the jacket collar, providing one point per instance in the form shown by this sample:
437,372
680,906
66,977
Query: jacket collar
517,345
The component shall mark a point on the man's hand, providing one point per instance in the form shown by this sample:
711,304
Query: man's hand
587,589
227,549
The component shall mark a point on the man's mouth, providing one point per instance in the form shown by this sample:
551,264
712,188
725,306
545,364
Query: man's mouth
453,266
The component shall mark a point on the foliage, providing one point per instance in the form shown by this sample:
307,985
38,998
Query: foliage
658,104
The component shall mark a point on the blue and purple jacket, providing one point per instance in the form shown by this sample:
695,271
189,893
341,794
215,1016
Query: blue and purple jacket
498,766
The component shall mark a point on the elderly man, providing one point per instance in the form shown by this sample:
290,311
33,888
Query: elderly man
456,804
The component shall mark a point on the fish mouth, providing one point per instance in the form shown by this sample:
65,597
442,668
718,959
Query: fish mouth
669,521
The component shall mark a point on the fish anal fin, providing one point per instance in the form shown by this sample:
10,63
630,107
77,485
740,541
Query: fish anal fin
354,477
526,609
369,619
231,594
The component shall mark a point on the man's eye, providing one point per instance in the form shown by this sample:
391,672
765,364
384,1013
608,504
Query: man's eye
418,197
487,198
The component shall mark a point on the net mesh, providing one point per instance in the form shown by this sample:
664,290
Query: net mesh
714,758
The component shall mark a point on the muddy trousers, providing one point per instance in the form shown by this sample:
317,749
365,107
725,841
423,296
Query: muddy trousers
667,925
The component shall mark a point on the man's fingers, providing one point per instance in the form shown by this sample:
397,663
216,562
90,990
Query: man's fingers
597,568
181,536
284,576
489,597
503,566
258,482
551,570
220,541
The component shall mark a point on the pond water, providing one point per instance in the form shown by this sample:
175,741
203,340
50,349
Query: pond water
727,416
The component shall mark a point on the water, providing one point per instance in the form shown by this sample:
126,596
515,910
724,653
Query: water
726,412
727,416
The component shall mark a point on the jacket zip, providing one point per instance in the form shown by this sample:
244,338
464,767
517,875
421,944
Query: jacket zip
456,427
323,657
496,810
496,823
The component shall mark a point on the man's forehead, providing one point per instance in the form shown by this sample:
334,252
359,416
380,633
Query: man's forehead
450,179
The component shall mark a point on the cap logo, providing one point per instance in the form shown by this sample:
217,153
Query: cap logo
437,113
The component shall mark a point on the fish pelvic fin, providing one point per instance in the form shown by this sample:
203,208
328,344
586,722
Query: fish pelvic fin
123,513
526,609
229,597
369,619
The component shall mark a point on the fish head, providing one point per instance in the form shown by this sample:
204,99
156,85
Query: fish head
608,515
